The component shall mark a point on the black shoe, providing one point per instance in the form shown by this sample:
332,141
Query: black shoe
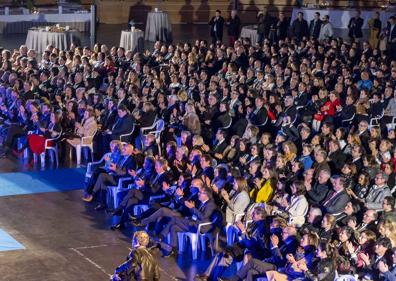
100,207
201,277
116,212
159,238
119,226
170,254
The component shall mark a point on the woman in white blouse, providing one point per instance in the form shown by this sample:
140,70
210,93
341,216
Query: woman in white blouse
297,208
237,200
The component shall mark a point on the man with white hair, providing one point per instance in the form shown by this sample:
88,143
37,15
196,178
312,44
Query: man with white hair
378,192
141,264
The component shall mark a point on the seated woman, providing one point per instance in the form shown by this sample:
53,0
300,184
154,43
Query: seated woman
237,200
86,129
231,151
43,132
297,207
264,188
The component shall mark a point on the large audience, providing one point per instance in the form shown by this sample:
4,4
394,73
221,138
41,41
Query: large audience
286,146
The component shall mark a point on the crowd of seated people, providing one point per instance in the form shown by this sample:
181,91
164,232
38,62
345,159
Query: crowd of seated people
289,145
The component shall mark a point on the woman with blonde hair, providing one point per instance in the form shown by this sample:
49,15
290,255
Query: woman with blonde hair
289,150
231,152
191,120
389,227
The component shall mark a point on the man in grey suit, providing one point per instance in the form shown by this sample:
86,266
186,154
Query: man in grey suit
336,201
378,192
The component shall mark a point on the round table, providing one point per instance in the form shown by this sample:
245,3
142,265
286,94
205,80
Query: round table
39,39
158,27
250,31
132,40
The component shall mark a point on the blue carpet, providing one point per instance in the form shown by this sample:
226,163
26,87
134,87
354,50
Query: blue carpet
43,181
7,243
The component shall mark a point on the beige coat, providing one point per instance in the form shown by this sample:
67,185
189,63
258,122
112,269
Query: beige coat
88,128
191,122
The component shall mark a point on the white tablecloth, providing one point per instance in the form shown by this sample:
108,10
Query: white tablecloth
250,31
340,18
133,41
39,39
20,23
158,27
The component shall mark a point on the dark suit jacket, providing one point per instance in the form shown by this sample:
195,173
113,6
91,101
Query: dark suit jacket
278,257
355,27
318,193
108,119
337,204
124,165
393,34
155,184
299,29
122,126
259,118
337,161
219,148
219,27
204,213
314,28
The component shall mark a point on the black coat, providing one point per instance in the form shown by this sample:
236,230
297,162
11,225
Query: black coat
216,27
314,28
258,118
355,27
299,28
234,26
122,126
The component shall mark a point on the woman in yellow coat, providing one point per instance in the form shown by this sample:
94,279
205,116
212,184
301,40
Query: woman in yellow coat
264,188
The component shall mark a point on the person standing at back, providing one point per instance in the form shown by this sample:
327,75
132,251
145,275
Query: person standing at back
314,26
299,28
216,27
234,27
355,27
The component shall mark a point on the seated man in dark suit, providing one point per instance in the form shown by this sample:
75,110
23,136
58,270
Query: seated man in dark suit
123,125
252,238
117,171
337,199
259,117
204,213
255,267
189,193
220,144
141,194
